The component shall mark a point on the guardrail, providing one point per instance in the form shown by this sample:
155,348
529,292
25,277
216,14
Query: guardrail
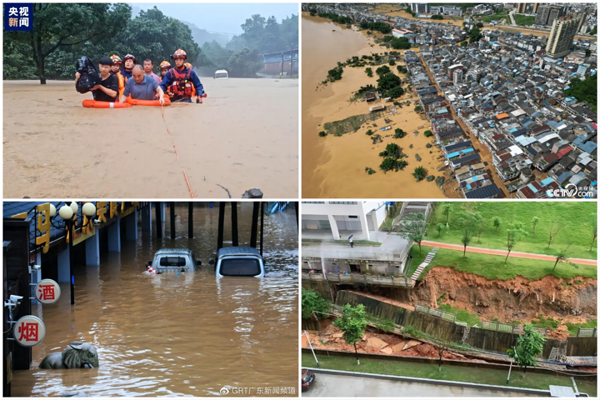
361,279
587,332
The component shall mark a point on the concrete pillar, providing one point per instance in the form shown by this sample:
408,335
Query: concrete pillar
92,250
163,212
334,228
147,218
131,226
36,276
114,236
364,225
64,275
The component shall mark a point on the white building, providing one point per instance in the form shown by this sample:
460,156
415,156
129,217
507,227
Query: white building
340,219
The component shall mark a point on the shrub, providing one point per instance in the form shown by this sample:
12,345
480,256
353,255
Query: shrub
392,62
369,72
417,157
429,145
322,134
439,180
369,170
430,178
427,133
418,109
369,132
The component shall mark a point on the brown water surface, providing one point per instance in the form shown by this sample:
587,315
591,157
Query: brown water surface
175,335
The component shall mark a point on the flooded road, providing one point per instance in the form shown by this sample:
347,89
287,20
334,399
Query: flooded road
176,335
244,135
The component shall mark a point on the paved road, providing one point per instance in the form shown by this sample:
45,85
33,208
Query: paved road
503,252
327,385
512,18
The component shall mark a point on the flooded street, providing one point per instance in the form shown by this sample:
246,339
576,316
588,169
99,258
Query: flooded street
178,335
244,135
334,167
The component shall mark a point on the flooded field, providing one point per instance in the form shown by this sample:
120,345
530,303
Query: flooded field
178,335
335,166
244,136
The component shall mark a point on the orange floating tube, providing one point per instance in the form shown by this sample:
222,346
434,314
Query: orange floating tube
151,103
103,104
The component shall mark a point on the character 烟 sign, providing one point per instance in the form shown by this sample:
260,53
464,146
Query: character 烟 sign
47,291
29,331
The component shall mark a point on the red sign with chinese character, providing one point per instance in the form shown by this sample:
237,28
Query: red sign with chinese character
29,331
47,291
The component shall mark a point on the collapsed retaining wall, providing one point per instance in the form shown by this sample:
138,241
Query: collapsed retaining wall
448,331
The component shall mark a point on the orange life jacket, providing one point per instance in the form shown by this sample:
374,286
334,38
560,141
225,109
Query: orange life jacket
181,86
121,83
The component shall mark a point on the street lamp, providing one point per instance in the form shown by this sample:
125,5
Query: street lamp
69,213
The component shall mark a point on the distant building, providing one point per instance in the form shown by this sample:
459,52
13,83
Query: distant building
544,13
420,8
521,7
458,77
561,36
555,13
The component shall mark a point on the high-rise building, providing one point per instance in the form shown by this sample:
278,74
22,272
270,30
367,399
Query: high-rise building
458,77
561,36
544,14
555,13
535,7
521,7
421,8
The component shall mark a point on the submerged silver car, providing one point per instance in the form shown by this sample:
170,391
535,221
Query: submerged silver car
239,261
174,260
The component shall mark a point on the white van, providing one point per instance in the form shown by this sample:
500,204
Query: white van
239,261
221,74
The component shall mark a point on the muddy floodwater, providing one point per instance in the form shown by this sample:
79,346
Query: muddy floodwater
176,335
335,166
244,135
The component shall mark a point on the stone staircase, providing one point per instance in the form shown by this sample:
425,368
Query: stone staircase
424,264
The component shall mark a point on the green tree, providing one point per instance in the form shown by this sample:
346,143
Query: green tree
65,26
245,63
399,133
395,92
529,345
314,306
414,228
420,173
562,256
465,240
437,16
513,235
474,35
391,150
418,109
555,228
388,224
497,221
534,221
446,211
584,90
384,69
464,43
440,227
388,81
369,72
479,25
478,224
400,43
352,323
427,133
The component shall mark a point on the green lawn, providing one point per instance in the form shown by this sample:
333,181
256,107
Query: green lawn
449,372
523,20
461,314
574,217
573,328
493,267
495,17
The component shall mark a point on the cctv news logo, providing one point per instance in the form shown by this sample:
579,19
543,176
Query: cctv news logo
235,390
572,191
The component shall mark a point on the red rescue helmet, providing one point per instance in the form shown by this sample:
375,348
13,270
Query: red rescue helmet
130,57
116,59
164,65
179,54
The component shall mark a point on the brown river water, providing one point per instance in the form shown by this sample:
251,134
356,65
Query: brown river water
186,335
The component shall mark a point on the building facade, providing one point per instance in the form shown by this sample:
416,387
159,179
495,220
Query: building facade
561,36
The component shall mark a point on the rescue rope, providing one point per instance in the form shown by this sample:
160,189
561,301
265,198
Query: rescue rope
162,110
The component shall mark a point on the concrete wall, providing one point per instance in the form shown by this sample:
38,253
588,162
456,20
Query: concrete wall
582,346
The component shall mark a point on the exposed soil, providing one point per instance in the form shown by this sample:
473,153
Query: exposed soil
330,338
517,299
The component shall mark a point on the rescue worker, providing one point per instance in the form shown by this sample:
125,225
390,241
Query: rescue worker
181,80
163,68
116,71
129,61
188,65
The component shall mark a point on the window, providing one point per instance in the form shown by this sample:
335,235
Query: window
240,267
352,216
344,202
313,202
173,261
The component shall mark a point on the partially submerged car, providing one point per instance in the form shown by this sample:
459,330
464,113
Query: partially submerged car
221,74
239,261
174,260
308,377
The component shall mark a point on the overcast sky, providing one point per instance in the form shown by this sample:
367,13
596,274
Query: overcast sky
222,17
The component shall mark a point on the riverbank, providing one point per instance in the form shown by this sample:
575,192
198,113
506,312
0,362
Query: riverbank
335,166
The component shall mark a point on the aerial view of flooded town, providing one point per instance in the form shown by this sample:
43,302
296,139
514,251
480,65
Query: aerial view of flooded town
454,298
427,100
150,299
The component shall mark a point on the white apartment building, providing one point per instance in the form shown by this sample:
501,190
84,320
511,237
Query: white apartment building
340,219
